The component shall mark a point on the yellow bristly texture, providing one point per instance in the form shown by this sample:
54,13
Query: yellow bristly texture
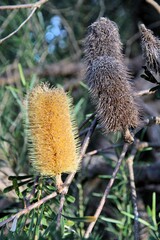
54,147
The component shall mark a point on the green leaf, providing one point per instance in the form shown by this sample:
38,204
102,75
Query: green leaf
50,187
78,106
83,85
108,177
16,188
21,75
111,220
14,225
14,92
87,219
139,220
31,225
154,209
70,199
10,188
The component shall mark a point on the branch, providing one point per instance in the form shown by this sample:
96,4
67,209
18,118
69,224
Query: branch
154,4
34,6
20,6
103,150
106,192
133,193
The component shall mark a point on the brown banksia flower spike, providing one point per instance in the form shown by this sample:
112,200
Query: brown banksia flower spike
151,51
102,39
54,147
108,79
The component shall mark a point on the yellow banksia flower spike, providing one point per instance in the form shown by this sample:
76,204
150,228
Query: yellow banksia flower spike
53,133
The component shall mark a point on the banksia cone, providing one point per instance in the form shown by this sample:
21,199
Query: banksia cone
108,79
151,51
52,131
102,40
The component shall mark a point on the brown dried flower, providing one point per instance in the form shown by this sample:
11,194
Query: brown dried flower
102,40
151,51
108,79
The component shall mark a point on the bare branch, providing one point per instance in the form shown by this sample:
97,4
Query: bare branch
133,193
22,24
106,192
154,4
34,6
20,6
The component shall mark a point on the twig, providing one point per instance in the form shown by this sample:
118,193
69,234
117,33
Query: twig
20,6
35,6
65,185
106,192
145,92
141,145
86,121
102,150
148,122
133,193
22,24
154,4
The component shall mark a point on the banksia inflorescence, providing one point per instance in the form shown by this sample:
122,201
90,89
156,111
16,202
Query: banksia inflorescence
102,40
108,79
52,131
151,51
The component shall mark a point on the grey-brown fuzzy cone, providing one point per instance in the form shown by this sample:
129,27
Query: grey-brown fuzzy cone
150,50
102,40
107,78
